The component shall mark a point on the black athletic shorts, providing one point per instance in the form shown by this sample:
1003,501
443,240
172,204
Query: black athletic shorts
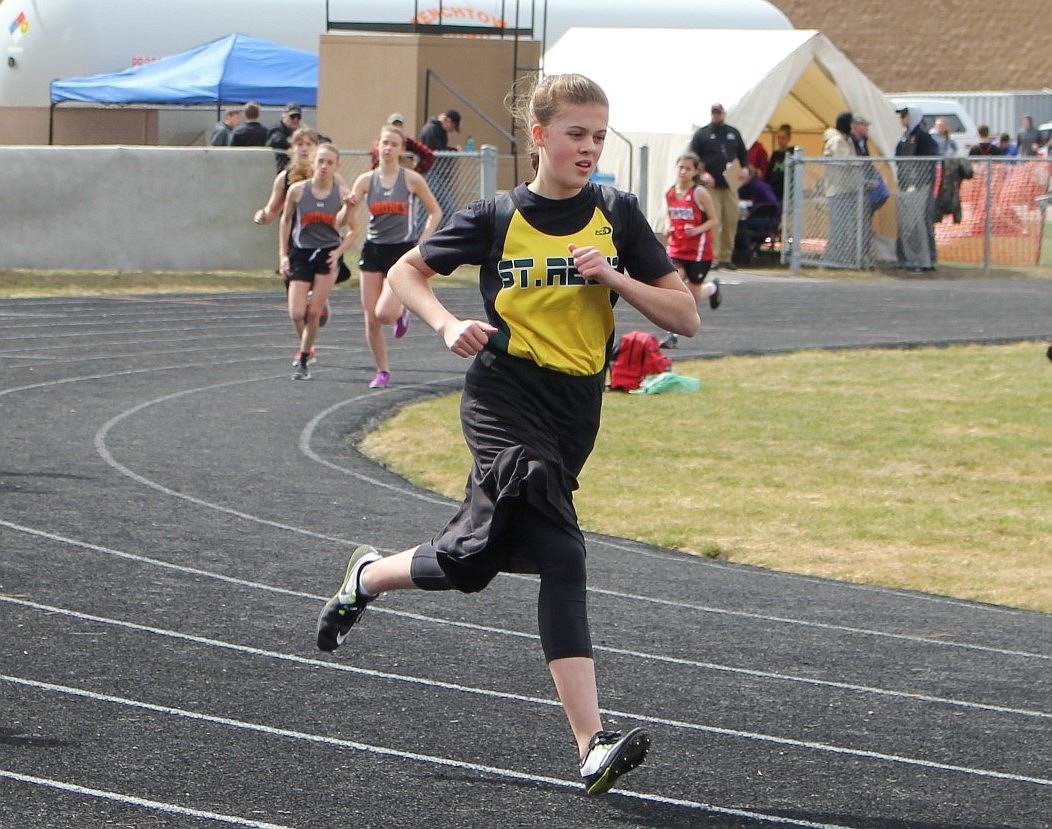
306,263
379,258
695,271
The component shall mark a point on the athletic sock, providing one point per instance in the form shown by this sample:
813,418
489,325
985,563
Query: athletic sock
361,591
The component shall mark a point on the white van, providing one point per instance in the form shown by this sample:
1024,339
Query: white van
963,129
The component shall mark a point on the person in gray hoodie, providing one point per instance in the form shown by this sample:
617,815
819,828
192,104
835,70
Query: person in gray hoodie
915,200
1028,140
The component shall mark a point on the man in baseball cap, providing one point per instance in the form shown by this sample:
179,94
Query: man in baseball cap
279,135
717,144
436,133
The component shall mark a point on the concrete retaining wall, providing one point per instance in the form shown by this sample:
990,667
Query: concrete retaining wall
135,208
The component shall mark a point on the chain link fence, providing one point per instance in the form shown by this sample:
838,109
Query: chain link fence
456,178
913,213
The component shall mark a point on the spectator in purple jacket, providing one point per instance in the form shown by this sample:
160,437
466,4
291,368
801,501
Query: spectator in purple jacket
758,191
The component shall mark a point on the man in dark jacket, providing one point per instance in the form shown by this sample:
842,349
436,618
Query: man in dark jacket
224,129
985,144
718,144
435,135
278,137
251,133
915,202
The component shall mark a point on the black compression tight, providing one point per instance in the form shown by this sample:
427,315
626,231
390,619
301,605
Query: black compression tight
562,607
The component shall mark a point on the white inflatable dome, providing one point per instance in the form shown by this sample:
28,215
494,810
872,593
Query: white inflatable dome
48,39
661,14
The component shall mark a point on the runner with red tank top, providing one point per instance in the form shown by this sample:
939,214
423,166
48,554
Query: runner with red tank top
691,218
684,212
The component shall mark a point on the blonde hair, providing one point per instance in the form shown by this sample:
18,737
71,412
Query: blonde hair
327,145
299,170
540,100
301,133
391,128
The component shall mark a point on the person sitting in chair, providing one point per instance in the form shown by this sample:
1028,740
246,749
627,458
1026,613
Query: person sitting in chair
760,220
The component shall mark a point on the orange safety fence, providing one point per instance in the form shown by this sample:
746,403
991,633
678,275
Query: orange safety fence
1010,216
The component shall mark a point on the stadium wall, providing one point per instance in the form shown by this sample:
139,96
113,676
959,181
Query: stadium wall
135,208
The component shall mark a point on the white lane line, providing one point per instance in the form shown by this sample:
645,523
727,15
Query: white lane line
383,751
104,453
308,432
530,700
907,637
128,372
152,805
101,448
627,546
477,628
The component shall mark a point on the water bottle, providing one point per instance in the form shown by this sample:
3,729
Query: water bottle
470,145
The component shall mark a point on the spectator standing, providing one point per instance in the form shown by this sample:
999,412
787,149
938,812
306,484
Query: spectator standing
425,156
759,160
251,133
225,128
985,144
1028,140
435,136
718,144
915,201
1007,145
533,396
776,166
941,133
843,190
876,189
860,134
279,135
436,133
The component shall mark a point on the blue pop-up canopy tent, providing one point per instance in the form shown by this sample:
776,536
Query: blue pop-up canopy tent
231,70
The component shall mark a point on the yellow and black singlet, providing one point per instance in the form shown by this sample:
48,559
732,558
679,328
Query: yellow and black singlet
546,312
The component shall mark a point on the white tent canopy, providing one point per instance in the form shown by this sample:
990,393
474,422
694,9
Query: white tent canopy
661,83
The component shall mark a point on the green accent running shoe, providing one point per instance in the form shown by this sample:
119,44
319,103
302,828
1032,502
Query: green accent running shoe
611,754
344,609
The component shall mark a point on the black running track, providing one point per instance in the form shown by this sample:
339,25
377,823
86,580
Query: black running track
174,509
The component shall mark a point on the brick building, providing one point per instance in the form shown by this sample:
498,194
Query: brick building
952,45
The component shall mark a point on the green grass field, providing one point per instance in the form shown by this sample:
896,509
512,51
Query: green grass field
925,469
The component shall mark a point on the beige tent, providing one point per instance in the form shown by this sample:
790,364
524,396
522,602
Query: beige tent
662,82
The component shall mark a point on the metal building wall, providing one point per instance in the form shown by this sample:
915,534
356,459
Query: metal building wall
1001,111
